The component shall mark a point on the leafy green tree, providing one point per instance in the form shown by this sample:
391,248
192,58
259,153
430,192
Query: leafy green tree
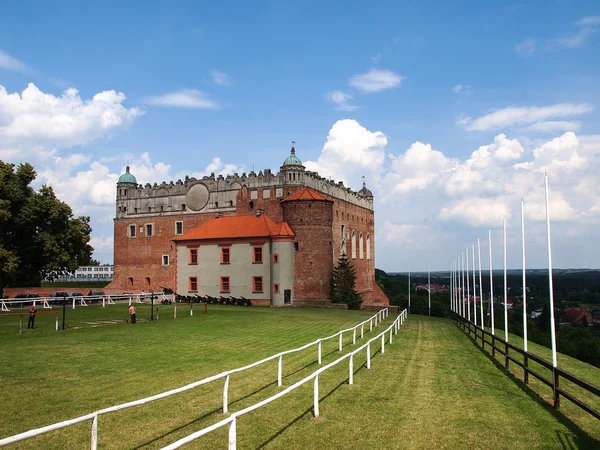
38,233
343,282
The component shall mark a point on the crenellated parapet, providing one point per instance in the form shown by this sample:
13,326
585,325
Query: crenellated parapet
218,194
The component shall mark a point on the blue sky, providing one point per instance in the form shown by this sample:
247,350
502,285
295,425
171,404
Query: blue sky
401,92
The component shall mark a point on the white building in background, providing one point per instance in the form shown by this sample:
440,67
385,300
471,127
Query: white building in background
87,273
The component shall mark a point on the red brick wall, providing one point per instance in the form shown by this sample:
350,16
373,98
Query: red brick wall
313,262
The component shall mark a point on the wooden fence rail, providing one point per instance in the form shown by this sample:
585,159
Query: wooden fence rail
503,347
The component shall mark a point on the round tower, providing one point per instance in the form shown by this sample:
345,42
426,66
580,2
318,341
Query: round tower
292,170
125,186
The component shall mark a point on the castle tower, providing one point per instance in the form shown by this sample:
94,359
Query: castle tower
310,215
292,170
125,189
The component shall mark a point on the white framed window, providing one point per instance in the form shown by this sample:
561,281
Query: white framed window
165,260
131,231
353,243
149,229
178,228
368,246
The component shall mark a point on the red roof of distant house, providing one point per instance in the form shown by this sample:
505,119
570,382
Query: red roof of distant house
230,227
576,315
307,194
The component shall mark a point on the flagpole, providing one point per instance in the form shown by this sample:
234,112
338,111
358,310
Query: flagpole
480,284
491,283
468,289
552,325
524,282
505,289
464,304
474,287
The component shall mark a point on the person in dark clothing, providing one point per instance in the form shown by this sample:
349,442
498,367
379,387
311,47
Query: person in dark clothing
32,312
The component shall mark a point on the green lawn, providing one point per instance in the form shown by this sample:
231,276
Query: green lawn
431,389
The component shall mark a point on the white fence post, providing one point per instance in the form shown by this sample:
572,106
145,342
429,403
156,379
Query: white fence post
316,396
351,370
370,324
94,440
362,330
340,345
391,332
103,302
56,321
175,312
129,301
382,344
369,355
279,370
232,434
225,395
353,336
319,353
73,302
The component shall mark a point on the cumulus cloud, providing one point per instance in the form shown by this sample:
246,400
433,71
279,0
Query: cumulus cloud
185,98
341,100
220,78
350,151
375,80
526,116
217,167
102,243
37,120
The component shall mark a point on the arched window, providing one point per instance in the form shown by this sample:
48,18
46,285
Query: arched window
368,246
343,248
361,246
353,245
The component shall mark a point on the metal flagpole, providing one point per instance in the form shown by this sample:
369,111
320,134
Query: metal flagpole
524,282
505,289
468,289
480,284
450,288
462,275
491,283
552,325
474,287
429,288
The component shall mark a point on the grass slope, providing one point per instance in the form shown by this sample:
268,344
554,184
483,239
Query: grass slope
431,389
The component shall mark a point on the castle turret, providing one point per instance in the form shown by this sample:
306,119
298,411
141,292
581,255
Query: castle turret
292,170
126,182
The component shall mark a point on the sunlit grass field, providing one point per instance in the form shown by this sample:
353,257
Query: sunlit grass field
431,389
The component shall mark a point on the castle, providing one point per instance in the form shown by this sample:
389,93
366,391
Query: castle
274,239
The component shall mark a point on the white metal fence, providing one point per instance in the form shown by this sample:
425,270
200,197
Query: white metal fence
231,421
93,417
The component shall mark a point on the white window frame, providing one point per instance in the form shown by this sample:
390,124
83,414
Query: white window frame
129,227
361,243
146,229
353,244
368,246
163,260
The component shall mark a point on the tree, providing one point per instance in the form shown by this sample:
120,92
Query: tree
38,233
343,281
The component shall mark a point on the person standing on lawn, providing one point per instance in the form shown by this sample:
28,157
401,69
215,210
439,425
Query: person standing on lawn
132,313
32,312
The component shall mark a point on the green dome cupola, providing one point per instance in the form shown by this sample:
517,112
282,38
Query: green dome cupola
127,177
292,160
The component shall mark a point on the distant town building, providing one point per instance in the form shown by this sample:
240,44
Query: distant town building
86,273
575,316
434,287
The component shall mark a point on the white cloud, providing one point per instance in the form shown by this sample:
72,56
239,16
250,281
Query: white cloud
220,78
11,63
584,29
553,126
34,119
523,115
375,80
185,98
340,100
350,152
102,243
217,167
526,47
462,89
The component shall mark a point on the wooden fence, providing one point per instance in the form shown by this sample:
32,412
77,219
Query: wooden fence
497,344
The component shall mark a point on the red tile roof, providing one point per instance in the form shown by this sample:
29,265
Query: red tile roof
576,315
308,194
229,227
